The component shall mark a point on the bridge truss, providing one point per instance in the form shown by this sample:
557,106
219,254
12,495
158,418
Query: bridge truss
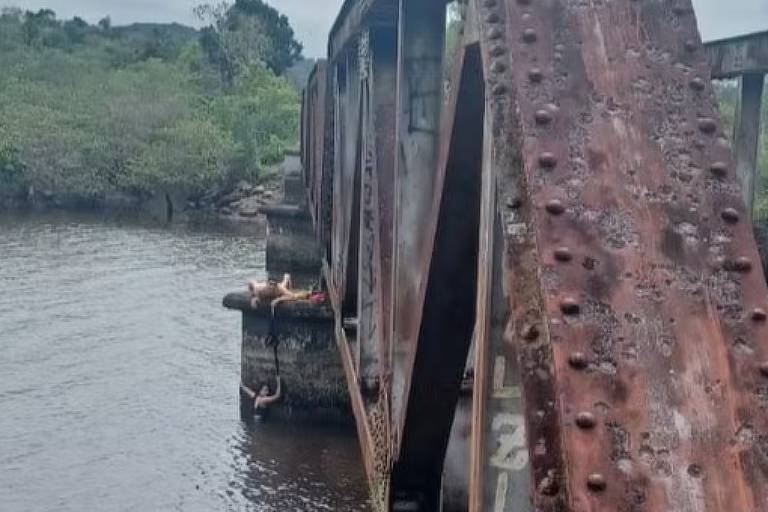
538,247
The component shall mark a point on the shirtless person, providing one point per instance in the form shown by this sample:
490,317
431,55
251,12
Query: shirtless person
263,399
275,293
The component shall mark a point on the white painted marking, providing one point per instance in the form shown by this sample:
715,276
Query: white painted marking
502,484
512,453
499,372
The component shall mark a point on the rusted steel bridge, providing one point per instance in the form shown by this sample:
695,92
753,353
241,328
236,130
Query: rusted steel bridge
539,251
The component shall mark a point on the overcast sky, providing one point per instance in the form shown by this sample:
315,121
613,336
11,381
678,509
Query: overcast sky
311,19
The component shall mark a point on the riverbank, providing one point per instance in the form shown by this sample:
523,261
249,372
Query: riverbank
241,202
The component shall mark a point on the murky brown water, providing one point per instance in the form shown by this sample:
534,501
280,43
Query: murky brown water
119,372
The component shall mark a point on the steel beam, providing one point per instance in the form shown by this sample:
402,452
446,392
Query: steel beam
447,320
731,58
746,136
636,298
419,102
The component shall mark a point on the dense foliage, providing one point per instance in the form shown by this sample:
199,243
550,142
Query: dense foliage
92,111
246,33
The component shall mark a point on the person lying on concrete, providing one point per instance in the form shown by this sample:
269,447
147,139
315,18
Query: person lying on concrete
275,293
263,399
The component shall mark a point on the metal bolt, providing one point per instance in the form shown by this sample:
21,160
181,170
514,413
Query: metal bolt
570,306
759,315
596,482
555,207
707,125
494,33
499,89
529,35
730,215
530,333
742,264
542,116
548,160
697,84
498,67
719,169
563,254
535,75
578,360
586,420
497,51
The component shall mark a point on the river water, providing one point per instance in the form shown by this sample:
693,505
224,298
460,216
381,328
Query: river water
119,373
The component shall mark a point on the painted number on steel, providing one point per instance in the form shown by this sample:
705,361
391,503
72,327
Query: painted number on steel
512,453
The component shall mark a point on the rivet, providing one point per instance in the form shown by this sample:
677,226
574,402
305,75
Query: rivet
596,482
555,207
542,116
691,45
497,51
498,67
759,315
499,89
535,75
494,33
707,125
730,215
548,160
529,35
764,368
695,470
719,169
578,360
697,84
585,420
742,264
570,306
530,332
563,254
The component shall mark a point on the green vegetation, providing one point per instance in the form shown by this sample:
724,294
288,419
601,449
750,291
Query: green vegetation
728,96
87,111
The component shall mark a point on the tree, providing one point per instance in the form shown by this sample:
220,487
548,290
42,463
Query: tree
284,50
247,33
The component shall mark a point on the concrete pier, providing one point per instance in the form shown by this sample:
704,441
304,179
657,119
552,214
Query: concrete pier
298,341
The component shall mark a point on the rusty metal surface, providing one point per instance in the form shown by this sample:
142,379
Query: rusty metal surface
620,306
419,104
643,388
450,231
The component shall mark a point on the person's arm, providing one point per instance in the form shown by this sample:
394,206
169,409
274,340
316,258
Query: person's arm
269,400
248,391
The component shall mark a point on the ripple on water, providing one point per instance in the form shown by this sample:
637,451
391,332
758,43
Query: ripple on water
118,381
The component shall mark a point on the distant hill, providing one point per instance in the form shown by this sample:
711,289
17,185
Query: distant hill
174,33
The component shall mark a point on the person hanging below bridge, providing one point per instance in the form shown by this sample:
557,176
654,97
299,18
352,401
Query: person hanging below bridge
263,399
